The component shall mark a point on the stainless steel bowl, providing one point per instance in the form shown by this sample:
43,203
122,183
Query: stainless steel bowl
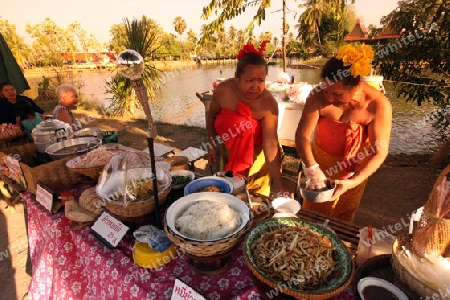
315,196
70,147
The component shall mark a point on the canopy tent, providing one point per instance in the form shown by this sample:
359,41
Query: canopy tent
10,70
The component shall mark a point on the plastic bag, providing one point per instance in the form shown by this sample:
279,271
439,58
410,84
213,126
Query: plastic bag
128,177
380,243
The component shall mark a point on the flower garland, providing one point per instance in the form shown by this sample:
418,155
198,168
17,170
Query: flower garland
358,57
249,48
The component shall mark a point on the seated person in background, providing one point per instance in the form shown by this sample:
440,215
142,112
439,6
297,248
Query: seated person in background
244,115
32,120
9,112
63,111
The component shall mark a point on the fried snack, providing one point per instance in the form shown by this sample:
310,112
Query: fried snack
89,200
295,256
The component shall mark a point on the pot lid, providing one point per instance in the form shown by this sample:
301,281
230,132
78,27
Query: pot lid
52,127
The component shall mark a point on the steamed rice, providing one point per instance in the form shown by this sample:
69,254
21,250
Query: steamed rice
208,220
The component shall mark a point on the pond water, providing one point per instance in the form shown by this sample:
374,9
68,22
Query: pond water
177,103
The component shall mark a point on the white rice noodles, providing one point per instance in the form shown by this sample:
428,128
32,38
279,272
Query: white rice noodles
208,220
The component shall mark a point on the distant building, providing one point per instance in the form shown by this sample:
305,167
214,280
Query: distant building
359,33
85,57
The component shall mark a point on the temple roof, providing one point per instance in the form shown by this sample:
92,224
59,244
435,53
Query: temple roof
359,33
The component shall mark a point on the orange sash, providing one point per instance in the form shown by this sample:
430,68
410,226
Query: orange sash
241,133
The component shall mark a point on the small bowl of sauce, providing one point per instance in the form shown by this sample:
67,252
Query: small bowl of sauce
372,288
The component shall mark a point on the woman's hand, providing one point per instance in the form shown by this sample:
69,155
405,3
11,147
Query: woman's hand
342,186
283,190
212,156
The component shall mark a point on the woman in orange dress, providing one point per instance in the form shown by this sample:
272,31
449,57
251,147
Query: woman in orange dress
243,117
344,131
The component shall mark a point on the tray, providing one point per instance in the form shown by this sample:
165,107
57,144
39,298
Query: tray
380,266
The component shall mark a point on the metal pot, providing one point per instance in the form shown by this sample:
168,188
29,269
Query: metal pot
49,132
75,146
89,132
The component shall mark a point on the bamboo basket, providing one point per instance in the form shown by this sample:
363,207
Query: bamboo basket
432,235
138,208
405,276
208,248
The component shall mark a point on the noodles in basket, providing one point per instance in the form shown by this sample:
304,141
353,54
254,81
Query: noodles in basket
295,256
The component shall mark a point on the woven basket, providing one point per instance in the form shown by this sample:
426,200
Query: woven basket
432,235
93,172
403,273
208,248
138,208
346,272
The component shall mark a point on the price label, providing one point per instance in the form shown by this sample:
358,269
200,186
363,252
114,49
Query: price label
44,197
181,291
109,229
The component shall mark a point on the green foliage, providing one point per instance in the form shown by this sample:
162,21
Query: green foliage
141,36
418,62
123,101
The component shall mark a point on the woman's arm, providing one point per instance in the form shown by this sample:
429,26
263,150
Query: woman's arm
65,117
306,125
271,147
212,142
379,130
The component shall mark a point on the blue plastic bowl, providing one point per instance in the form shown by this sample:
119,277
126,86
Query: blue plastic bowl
200,184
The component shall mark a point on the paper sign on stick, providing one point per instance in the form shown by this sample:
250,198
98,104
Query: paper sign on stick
109,229
44,197
181,291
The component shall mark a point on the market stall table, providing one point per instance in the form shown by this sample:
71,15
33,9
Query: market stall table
70,262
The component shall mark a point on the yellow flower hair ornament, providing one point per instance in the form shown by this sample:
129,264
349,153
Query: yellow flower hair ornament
359,58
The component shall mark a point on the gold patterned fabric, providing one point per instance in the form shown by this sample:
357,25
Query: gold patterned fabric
258,172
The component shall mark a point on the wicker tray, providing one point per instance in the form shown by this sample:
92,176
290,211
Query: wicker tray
345,263
404,275
136,209
380,266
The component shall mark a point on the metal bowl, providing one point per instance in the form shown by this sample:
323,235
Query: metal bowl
318,196
70,147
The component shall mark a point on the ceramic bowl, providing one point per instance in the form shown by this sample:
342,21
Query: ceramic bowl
184,173
286,205
199,185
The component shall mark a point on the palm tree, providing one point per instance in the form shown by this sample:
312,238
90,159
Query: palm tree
141,36
180,27
312,17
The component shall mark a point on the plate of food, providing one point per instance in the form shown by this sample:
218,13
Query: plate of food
298,258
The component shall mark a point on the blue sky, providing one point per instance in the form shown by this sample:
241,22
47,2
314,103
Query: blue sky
97,16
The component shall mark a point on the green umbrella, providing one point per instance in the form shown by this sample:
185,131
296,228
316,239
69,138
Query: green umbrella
10,70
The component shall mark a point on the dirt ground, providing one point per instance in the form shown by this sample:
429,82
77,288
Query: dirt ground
399,187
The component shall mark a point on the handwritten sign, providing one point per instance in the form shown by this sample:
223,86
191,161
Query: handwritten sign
44,197
109,229
181,291
15,171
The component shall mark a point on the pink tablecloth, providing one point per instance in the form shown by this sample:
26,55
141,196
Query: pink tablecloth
73,264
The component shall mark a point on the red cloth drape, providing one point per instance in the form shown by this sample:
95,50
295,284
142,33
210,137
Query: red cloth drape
240,132
342,139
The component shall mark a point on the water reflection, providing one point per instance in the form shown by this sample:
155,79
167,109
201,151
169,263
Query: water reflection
177,103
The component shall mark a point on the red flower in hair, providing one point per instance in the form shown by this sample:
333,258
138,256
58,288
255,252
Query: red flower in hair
249,48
